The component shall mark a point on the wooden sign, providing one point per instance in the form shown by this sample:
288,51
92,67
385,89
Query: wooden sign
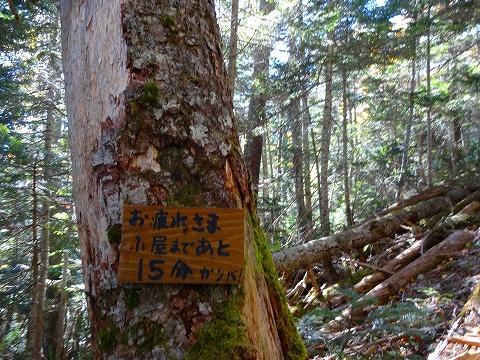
181,245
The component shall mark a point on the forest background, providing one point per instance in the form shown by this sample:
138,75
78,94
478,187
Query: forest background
343,108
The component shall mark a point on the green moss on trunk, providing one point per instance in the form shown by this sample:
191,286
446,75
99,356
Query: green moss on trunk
114,234
223,338
292,345
150,94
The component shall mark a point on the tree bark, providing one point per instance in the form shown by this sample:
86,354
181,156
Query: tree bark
151,123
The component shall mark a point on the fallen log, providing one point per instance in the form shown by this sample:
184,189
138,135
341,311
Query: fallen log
308,254
399,262
404,258
465,211
427,261
415,199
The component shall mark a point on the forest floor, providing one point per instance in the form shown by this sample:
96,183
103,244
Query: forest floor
416,311
445,290
411,325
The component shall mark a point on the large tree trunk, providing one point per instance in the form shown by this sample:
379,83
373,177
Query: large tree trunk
150,121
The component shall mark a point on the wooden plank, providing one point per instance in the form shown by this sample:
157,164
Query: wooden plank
467,339
163,244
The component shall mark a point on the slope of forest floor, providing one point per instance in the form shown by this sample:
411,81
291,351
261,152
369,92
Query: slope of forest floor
433,314
411,325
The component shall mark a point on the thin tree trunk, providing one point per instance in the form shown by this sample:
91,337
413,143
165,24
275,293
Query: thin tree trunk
429,108
31,350
346,177
45,233
327,263
62,306
257,104
422,183
408,131
317,162
36,322
232,49
265,177
151,123
326,135
297,139
307,168
458,142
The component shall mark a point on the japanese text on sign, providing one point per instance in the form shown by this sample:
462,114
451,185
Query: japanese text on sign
181,245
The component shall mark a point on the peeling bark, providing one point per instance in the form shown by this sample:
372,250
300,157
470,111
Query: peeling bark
151,123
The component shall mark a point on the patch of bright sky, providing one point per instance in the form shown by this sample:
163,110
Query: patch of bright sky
280,52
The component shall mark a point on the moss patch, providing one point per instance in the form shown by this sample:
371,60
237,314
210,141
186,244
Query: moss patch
223,338
114,234
292,345
106,338
155,335
150,94
168,22
132,299
134,123
188,195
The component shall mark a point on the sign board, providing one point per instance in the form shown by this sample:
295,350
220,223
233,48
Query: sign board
163,244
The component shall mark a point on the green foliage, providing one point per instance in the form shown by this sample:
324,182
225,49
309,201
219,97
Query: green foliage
408,320
34,167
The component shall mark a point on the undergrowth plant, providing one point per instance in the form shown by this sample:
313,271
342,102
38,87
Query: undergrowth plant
389,331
